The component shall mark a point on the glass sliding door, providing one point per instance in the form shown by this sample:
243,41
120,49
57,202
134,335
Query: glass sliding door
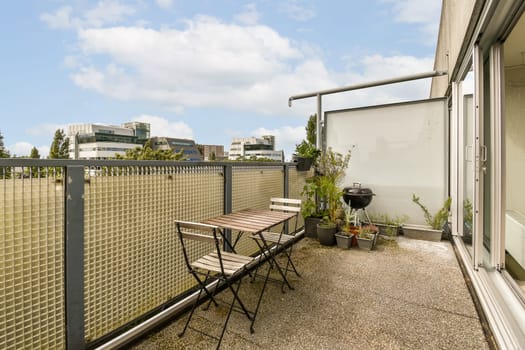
468,170
480,157
485,162
466,159
514,151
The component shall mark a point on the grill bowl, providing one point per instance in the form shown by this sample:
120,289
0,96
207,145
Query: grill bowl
357,197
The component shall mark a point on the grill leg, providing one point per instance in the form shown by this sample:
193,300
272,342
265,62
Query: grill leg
367,217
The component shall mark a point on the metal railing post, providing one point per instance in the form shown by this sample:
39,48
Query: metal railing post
286,179
228,197
74,256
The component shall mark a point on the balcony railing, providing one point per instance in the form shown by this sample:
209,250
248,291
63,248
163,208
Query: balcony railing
87,248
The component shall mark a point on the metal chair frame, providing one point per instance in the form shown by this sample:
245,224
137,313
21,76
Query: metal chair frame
282,238
225,267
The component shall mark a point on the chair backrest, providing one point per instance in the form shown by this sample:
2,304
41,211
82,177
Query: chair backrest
285,204
195,231
200,232
289,205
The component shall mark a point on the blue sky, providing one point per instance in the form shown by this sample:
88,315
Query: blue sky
208,70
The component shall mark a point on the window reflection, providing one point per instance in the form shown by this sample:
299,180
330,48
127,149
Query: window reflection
514,126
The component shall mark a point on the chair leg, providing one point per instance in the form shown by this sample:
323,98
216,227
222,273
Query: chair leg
252,279
259,301
271,260
210,295
289,263
191,312
234,298
264,252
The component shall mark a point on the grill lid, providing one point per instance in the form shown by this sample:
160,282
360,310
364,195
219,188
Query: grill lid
357,197
357,190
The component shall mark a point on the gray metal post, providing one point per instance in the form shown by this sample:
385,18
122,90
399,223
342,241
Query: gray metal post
286,179
318,130
74,256
228,195
319,94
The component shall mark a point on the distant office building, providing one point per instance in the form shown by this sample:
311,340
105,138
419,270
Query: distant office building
99,141
212,152
250,147
188,147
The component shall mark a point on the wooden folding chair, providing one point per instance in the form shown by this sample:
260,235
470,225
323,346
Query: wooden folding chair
288,205
228,268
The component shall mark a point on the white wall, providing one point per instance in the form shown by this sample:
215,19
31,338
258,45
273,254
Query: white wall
455,20
397,150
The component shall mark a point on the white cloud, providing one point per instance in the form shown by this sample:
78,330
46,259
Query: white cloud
377,65
71,62
164,127
213,64
104,12
46,130
107,12
61,19
23,149
44,151
297,11
20,149
250,16
165,4
209,63
425,13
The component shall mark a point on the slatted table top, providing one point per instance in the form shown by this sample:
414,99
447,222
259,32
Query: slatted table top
250,220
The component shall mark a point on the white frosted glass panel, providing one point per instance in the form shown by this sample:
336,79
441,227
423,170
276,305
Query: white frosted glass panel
397,150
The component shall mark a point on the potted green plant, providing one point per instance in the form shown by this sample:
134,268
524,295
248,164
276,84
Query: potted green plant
330,171
467,221
309,208
435,224
306,154
326,229
346,237
389,226
367,237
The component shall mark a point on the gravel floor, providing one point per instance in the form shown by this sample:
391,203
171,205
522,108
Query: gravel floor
406,294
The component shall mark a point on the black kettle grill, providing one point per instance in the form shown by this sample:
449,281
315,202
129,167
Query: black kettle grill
358,197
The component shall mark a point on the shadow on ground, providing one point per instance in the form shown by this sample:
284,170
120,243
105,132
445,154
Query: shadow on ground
405,294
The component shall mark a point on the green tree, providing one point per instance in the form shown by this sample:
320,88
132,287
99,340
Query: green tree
35,170
5,172
59,146
147,153
4,153
311,130
34,153
307,148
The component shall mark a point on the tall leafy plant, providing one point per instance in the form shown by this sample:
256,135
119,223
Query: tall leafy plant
309,206
331,169
439,219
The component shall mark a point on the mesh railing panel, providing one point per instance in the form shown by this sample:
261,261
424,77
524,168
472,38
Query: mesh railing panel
253,188
31,259
133,260
132,263
297,180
